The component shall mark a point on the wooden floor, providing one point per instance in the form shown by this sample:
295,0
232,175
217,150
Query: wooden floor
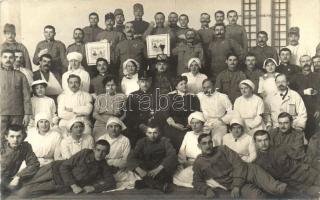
144,194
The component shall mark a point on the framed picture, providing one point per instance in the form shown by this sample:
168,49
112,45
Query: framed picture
95,50
158,44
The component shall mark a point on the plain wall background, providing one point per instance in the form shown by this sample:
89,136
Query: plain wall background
30,16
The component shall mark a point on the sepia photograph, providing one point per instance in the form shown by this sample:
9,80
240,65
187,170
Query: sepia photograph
170,99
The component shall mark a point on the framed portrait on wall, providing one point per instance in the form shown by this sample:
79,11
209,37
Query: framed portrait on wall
95,50
158,44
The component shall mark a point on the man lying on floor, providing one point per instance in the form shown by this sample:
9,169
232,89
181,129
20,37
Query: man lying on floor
86,171
245,180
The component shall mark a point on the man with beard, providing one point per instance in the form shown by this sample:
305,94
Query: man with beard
186,50
228,80
111,35
91,31
219,17
286,100
262,51
55,48
119,18
216,108
130,48
235,31
297,49
15,104
75,103
316,63
223,165
11,43
206,35
139,25
285,165
79,46
307,84
305,60
19,65
219,48
53,79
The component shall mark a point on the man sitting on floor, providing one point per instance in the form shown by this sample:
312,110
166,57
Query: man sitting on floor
226,167
154,159
86,171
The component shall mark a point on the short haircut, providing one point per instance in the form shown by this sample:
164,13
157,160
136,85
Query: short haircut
178,79
219,24
284,115
316,56
285,49
262,32
102,59
231,54
207,80
203,135
103,143
219,11
204,14
50,27
94,14
280,74
7,51
16,128
250,54
153,124
184,15
109,78
231,11
109,15
78,29
260,133
173,13
159,13
46,56
74,76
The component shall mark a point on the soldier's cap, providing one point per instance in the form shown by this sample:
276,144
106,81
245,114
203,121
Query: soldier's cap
109,16
144,74
118,11
138,6
9,28
162,58
294,30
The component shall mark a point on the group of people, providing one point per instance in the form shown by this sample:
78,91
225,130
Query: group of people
215,115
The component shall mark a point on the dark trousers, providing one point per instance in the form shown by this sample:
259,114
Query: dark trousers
42,183
155,183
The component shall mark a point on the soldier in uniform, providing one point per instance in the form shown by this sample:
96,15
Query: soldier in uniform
162,79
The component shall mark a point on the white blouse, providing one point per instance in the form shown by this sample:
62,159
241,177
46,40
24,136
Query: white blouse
69,146
189,149
43,105
194,82
129,85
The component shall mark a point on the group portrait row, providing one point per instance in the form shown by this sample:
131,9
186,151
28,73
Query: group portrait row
160,105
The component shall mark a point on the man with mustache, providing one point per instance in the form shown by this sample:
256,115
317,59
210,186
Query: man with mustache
139,25
130,48
15,104
285,66
119,18
316,63
53,79
219,16
216,108
11,43
235,31
219,48
173,18
263,51
285,100
297,49
79,46
75,103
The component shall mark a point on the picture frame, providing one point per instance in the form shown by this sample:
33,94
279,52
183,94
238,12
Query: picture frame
95,50
158,44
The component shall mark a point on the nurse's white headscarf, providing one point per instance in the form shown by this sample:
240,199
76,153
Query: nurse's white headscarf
74,56
116,120
196,115
269,60
197,60
124,66
73,121
41,116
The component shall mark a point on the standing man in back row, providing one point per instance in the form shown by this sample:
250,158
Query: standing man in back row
139,25
91,31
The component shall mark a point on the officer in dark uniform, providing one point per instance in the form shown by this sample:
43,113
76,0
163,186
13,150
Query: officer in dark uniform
142,107
162,79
